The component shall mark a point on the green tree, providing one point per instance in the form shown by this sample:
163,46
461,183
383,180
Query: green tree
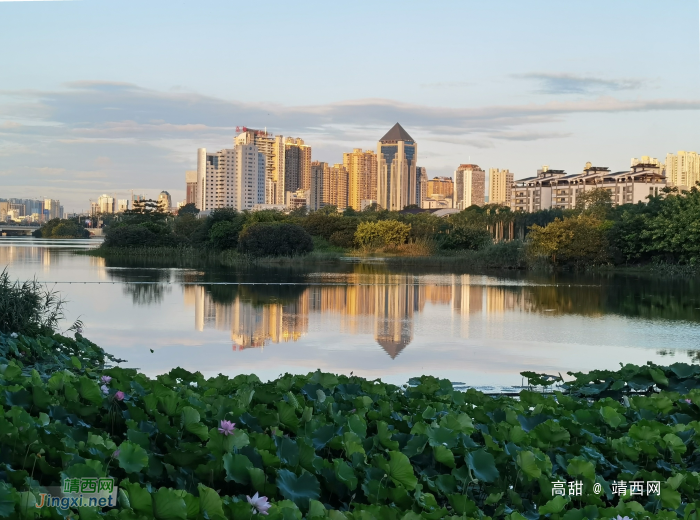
188,209
597,202
224,234
466,237
577,241
187,223
383,233
274,239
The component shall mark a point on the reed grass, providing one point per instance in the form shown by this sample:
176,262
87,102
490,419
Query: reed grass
28,307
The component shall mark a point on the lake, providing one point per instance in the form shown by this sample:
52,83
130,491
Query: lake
480,330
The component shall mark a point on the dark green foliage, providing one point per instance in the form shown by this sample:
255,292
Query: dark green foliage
667,228
27,307
186,224
325,224
466,237
188,209
62,228
274,239
224,234
51,353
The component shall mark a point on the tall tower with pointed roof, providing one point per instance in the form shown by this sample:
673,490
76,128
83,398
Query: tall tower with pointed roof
397,153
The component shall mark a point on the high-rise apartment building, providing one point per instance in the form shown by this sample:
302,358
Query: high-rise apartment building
123,205
329,186
191,180
683,169
422,189
52,209
500,186
268,146
316,190
297,165
362,176
336,180
231,178
470,186
105,204
397,153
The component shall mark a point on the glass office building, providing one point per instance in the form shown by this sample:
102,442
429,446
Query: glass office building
397,184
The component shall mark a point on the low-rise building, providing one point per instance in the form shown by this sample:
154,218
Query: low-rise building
556,189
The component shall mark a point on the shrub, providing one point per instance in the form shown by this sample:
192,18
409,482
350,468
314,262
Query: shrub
576,241
186,224
274,239
129,236
61,228
382,233
466,237
224,234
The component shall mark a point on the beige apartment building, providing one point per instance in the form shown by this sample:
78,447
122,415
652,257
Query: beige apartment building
440,186
297,165
362,176
191,180
683,169
555,189
329,186
470,186
500,186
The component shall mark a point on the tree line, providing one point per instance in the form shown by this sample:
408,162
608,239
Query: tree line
666,228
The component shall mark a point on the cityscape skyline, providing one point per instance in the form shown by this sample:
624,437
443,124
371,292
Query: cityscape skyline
120,114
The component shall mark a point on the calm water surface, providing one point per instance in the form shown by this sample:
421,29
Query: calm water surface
481,330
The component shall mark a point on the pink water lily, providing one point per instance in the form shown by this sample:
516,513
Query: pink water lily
104,389
689,401
105,379
260,504
623,518
227,427
119,396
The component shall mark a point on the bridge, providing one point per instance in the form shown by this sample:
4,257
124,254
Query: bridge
26,231
16,231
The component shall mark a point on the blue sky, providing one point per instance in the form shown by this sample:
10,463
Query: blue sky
108,96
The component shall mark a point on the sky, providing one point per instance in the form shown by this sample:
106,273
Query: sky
106,96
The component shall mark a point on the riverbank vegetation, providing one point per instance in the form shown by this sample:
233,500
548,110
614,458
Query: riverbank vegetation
62,228
663,232
324,446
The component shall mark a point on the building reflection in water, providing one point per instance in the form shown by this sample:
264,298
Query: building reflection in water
383,305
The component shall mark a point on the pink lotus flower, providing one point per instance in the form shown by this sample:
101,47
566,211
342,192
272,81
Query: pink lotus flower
623,518
260,504
116,454
104,389
119,395
689,401
227,427
106,379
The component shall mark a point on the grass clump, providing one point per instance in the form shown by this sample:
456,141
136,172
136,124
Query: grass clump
28,307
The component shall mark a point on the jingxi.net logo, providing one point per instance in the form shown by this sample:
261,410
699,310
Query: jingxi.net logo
80,492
